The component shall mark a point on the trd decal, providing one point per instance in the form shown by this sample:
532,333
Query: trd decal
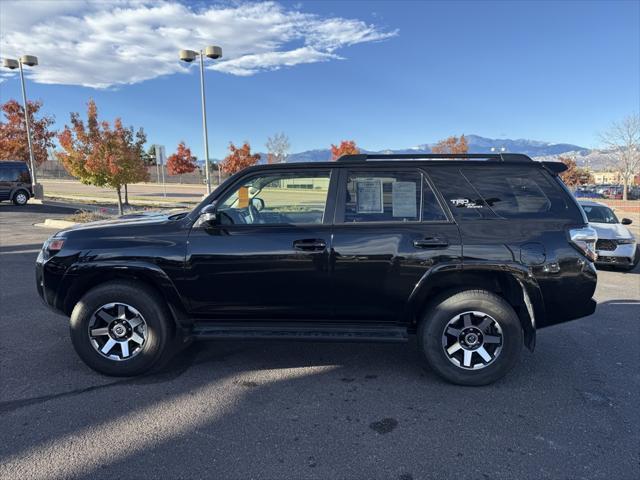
465,203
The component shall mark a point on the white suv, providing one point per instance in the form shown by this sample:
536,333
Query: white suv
616,245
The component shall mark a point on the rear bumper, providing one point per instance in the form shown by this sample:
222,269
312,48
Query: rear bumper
570,296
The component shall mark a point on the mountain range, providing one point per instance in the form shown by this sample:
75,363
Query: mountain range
539,150
477,144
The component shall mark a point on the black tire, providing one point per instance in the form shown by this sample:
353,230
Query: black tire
158,344
451,305
20,197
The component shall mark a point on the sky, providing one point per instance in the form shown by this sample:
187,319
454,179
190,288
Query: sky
387,74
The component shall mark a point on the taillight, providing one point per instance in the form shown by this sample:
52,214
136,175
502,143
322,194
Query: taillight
584,239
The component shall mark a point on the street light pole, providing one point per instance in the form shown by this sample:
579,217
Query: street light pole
189,56
26,122
12,64
204,125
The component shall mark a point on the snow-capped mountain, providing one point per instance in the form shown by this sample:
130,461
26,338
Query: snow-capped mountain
477,144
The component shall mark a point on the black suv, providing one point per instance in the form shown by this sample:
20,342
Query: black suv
470,253
15,182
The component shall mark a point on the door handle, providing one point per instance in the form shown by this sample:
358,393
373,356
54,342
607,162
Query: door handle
310,245
432,242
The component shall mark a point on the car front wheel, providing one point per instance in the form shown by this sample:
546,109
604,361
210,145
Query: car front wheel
471,337
20,198
121,329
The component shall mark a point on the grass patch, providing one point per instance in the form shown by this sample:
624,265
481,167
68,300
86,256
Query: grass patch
86,216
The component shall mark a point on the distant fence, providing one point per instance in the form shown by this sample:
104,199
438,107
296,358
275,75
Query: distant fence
55,170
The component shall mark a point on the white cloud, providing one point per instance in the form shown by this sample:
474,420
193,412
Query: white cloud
100,45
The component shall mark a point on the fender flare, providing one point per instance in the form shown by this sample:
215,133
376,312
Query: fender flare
529,294
15,190
83,276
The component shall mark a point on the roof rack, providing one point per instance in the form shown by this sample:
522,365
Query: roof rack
499,157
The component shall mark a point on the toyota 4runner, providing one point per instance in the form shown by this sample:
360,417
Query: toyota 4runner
470,253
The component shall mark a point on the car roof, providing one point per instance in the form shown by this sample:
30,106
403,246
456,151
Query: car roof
11,163
591,203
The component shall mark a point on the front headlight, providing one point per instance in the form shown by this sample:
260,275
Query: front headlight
625,241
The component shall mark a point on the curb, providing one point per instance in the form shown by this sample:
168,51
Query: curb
55,223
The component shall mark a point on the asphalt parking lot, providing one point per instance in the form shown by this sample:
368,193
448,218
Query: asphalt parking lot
312,410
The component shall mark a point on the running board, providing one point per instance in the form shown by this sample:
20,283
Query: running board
296,331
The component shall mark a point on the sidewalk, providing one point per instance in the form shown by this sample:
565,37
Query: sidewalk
141,194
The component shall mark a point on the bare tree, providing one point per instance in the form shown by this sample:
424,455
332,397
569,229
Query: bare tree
623,141
278,148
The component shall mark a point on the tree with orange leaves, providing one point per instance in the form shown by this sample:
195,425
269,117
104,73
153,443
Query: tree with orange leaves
346,147
452,144
13,133
239,158
182,161
102,155
574,175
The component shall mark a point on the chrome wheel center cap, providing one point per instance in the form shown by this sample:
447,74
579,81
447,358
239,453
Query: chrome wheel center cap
119,331
471,339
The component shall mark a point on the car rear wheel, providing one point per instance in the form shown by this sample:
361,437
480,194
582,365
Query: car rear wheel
471,337
20,198
121,329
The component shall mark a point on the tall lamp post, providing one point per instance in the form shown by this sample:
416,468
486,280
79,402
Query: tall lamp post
189,56
12,64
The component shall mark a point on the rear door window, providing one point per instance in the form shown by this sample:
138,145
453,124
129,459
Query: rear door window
13,174
389,196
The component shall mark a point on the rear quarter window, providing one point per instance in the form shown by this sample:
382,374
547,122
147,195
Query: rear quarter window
484,191
521,192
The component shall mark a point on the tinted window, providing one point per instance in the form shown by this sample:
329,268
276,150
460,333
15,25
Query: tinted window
9,174
14,174
456,191
520,192
277,198
375,196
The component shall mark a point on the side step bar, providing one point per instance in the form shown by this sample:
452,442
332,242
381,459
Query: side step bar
333,332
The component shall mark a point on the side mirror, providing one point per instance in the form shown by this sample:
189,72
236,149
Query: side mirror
257,203
626,221
208,216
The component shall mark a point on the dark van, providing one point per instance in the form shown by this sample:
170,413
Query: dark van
15,182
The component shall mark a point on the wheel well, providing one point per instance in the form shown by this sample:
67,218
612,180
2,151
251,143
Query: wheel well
17,190
88,282
503,284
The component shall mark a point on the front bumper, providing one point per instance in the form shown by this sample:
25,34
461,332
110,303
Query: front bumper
623,255
47,281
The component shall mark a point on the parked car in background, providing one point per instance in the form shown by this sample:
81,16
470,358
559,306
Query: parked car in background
587,194
616,245
15,182
471,257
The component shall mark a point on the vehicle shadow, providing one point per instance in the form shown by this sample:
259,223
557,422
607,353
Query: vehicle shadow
37,208
21,248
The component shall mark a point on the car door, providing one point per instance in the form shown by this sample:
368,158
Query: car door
266,255
390,230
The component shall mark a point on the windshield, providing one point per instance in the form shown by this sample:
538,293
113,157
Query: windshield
600,214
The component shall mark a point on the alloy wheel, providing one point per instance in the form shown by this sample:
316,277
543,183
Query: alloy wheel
21,198
472,340
117,331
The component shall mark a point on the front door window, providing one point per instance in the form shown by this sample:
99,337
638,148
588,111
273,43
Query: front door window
278,199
